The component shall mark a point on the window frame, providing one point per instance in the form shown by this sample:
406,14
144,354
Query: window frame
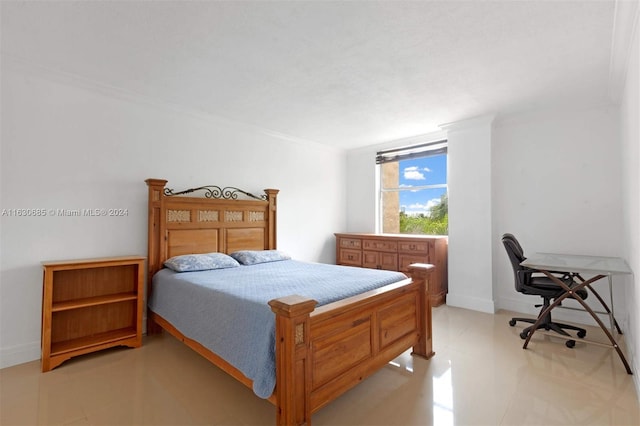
419,150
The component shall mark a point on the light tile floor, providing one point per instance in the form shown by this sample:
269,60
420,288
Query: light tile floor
480,375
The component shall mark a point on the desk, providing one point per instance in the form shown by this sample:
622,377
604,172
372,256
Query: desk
600,267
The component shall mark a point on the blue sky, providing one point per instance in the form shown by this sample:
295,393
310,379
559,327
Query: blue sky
419,172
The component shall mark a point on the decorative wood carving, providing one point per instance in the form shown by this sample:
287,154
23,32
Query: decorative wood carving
178,216
299,339
208,215
256,217
233,216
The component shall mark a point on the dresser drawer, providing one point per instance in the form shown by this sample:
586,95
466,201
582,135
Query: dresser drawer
421,247
350,243
380,245
350,257
380,260
405,260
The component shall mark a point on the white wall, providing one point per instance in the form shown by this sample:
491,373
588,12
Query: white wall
630,137
69,144
470,208
556,187
361,190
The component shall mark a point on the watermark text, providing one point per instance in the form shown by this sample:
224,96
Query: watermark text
58,212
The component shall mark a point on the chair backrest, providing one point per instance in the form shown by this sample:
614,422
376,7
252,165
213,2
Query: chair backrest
516,256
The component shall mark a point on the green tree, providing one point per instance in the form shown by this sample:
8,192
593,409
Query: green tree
436,223
422,224
438,212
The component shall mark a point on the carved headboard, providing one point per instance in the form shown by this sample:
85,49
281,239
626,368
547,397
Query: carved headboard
217,222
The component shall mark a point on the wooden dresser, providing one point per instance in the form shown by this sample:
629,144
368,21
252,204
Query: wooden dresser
395,252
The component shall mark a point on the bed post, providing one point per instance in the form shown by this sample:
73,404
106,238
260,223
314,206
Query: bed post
293,366
420,273
271,231
155,246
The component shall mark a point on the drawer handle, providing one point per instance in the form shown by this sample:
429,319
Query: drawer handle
412,246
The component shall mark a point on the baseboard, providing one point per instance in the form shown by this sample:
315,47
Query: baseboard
19,354
473,303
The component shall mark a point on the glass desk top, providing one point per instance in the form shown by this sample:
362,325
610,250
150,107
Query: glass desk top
600,265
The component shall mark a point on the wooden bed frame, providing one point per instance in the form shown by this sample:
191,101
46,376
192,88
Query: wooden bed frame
320,353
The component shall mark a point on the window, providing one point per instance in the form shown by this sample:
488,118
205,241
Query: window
413,189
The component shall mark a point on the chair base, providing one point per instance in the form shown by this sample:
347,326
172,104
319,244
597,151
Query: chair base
550,326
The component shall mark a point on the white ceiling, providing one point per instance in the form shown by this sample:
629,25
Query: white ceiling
340,73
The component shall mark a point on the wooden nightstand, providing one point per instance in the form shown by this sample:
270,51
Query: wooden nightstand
89,305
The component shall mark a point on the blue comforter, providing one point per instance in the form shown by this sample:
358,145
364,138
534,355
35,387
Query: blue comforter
226,310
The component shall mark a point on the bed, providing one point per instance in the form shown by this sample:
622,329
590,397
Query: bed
323,346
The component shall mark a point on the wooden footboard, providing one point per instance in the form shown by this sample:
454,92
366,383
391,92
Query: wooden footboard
322,353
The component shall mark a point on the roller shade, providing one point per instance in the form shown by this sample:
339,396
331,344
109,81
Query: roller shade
415,151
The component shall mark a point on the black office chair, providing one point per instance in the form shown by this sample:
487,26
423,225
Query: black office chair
529,281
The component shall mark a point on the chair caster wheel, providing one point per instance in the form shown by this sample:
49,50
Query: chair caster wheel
523,335
512,323
570,343
582,333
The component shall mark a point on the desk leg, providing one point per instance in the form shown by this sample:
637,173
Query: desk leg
573,293
602,302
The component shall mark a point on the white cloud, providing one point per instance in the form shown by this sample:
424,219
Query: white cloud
413,173
415,209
